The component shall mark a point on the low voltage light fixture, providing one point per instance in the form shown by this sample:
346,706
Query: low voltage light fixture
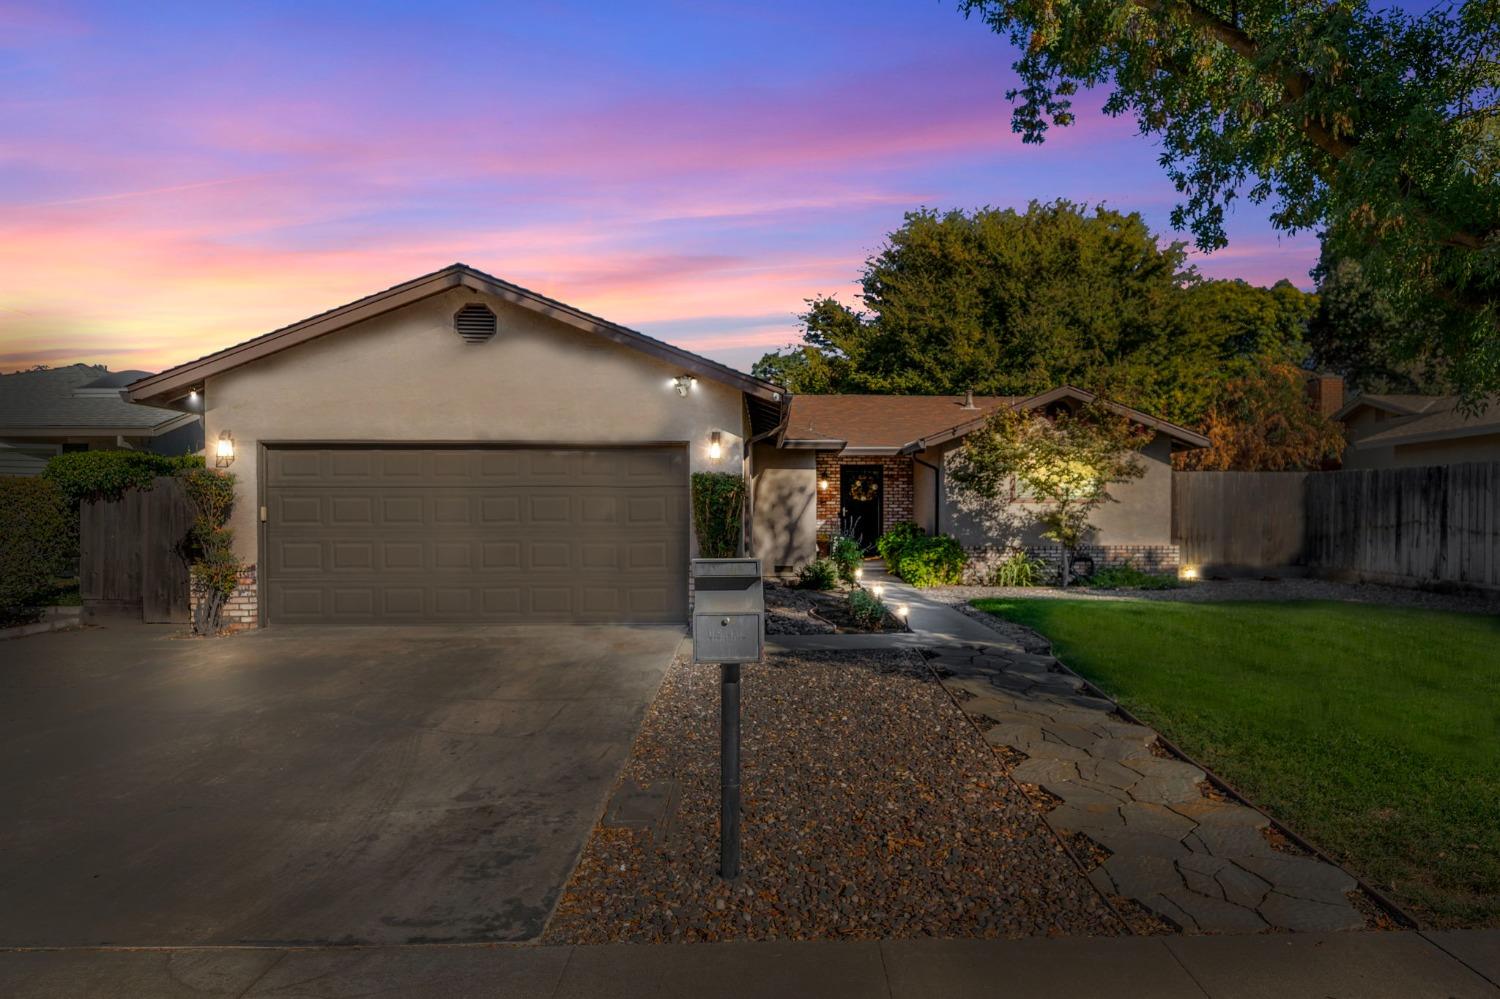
1189,572
224,450
902,611
715,447
859,574
879,590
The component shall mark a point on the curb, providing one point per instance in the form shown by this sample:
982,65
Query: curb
53,619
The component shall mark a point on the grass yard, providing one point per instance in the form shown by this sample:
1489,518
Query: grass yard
1374,731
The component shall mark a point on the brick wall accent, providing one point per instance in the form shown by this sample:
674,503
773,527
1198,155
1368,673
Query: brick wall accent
1147,558
896,499
242,609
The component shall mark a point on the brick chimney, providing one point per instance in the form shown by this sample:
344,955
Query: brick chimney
1325,393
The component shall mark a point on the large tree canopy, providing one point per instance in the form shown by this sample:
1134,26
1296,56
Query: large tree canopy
1015,303
1378,127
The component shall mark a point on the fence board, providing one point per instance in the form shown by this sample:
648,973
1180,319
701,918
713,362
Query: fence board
130,553
1438,523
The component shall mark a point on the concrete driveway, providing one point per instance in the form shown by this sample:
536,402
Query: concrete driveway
380,785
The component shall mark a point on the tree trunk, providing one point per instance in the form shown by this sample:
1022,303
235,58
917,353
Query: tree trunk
207,615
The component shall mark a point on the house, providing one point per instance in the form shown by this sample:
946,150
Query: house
858,464
1397,431
458,448
79,408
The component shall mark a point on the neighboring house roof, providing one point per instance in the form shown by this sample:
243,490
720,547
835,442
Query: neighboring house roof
888,422
77,401
171,385
1440,420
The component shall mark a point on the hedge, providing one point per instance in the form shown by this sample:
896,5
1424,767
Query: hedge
35,541
718,513
922,560
106,475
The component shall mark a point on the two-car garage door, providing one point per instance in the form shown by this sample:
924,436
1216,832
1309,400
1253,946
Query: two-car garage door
358,535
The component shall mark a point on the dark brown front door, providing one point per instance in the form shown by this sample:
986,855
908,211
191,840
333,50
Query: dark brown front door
861,489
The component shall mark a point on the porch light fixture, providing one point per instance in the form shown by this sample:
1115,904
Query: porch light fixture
822,485
224,450
683,383
715,447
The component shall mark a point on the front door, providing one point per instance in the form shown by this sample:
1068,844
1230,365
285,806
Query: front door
860,489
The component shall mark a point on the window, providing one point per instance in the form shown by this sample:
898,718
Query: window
475,323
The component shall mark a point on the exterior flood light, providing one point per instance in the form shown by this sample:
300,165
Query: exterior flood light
682,383
715,447
224,450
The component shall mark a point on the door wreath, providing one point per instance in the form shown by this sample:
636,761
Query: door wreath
863,488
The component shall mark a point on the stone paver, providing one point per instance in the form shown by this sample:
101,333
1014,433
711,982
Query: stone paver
1201,864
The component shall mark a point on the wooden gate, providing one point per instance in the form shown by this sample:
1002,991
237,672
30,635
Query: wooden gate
130,553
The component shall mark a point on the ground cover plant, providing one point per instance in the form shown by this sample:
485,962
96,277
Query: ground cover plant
819,574
1372,730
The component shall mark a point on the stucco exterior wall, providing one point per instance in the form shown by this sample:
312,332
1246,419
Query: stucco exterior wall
408,377
1455,451
1142,515
784,524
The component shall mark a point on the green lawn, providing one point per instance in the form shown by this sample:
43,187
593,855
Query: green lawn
1373,731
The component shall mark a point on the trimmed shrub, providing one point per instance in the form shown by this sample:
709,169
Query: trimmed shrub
894,541
866,608
1018,569
819,574
1128,577
718,513
106,475
215,569
35,540
848,555
936,560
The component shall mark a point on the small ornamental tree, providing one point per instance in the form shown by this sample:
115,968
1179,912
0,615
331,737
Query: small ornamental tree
215,569
1265,423
718,513
1065,462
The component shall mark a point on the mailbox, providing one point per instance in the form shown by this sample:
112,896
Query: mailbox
729,610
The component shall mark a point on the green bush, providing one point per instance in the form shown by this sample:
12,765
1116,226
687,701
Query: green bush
893,542
936,560
1128,577
35,540
215,568
1018,569
718,513
848,555
106,475
866,608
819,574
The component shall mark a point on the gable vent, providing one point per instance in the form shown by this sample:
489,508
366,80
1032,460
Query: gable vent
475,323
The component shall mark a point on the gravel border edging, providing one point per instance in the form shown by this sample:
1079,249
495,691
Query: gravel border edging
1397,913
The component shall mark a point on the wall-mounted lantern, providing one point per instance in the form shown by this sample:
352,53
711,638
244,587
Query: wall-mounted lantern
224,450
822,485
715,446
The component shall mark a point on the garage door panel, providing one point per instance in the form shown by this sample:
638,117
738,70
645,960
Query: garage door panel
362,535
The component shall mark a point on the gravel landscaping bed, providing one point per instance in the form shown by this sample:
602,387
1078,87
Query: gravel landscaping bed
791,610
872,810
1209,590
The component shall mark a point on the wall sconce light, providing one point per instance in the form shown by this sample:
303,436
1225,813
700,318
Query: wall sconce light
822,485
224,450
715,447
683,383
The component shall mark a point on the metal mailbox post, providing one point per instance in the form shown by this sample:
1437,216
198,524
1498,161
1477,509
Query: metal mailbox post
729,628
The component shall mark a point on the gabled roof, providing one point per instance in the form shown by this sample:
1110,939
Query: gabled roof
1399,403
72,402
863,422
1178,435
174,383
1443,420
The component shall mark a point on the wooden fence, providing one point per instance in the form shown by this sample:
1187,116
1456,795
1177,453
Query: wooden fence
1431,524
1240,520
130,554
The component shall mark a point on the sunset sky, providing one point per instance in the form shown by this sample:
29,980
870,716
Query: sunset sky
177,177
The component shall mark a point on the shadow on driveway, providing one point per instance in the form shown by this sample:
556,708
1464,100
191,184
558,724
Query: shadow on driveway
370,785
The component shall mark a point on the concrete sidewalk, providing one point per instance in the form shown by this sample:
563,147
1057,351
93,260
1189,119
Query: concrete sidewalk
1448,965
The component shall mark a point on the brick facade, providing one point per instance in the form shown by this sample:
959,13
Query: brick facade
896,489
1147,558
242,609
